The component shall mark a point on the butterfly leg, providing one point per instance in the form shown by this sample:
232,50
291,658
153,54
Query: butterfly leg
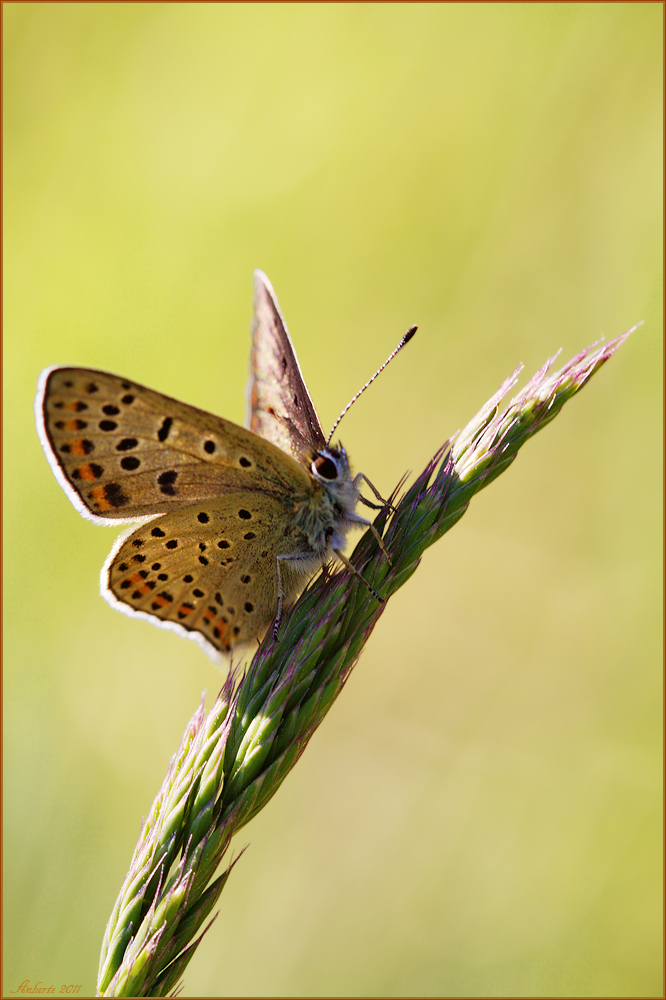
383,502
362,522
306,565
352,569
280,598
302,562
375,506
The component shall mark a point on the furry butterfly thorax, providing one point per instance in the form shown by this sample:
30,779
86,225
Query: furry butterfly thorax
231,520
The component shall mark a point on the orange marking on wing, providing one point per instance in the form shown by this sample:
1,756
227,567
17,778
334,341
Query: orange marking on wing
142,591
220,628
99,496
77,448
162,601
72,425
85,472
225,641
184,610
75,405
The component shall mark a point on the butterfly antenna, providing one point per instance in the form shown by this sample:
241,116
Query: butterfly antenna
405,340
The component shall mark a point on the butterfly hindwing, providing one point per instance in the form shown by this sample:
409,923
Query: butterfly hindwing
209,569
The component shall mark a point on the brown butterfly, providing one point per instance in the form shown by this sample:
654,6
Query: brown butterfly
233,521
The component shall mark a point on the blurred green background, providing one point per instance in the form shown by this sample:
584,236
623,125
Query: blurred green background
480,813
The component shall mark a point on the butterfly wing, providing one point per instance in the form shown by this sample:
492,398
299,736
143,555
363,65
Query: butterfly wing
123,452
207,571
279,405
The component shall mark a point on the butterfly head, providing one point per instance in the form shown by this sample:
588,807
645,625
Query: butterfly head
330,467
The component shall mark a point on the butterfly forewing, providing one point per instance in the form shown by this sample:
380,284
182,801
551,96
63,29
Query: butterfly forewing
279,405
123,452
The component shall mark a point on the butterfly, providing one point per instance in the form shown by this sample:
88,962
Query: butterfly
232,520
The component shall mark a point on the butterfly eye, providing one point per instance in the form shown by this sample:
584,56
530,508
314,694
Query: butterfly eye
324,467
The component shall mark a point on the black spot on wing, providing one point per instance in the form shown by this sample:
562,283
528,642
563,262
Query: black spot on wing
113,494
163,432
166,481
